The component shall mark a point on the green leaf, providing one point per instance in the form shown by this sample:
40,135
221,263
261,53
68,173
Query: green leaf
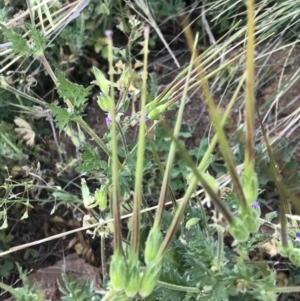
61,116
19,44
75,93
38,39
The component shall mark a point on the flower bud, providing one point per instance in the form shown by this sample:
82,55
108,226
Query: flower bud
133,282
101,198
118,272
153,244
285,251
238,230
125,105
250,218
157,112
149,279
81,135
151,105
75,141
104,102
124,79
250,187
101,81
88,200
192,222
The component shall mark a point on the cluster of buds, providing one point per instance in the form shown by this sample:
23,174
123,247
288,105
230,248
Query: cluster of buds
126,276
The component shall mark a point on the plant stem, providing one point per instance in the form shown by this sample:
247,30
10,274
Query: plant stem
180,288
114,156
135,238
88,129
103,263
250,102
220,249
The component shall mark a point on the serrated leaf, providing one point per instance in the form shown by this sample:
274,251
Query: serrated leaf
38,39
25,131
19,44
75,93
61,116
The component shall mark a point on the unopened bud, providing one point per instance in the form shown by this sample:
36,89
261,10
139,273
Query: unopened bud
250,187
101,198
133,282
192,222
149,280
88,200
124,79
238,230
104,102
250,218
157,112
153,244
75,141
118,272
101,81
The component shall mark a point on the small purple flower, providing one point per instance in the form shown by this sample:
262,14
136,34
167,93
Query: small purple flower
129,95
108,120
297,236
255,205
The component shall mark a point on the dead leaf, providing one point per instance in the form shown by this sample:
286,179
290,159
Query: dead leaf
25,131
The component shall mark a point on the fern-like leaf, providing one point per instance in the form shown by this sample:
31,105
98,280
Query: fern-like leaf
77,290
72,92
19,44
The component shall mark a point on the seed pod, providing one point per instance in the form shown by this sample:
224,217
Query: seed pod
238,230
118,272
133,282
104,102
101,198
101,81
153,244
149,279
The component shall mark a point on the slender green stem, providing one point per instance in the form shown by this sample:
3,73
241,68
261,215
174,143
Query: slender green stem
180,288
122,139
135,238
201,167
47,66
103,262
16,149
89,130
250,102
285,289
115,161
167,173
179,213
220,249
224,145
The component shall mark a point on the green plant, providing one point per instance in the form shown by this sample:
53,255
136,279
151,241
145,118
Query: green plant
178,255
